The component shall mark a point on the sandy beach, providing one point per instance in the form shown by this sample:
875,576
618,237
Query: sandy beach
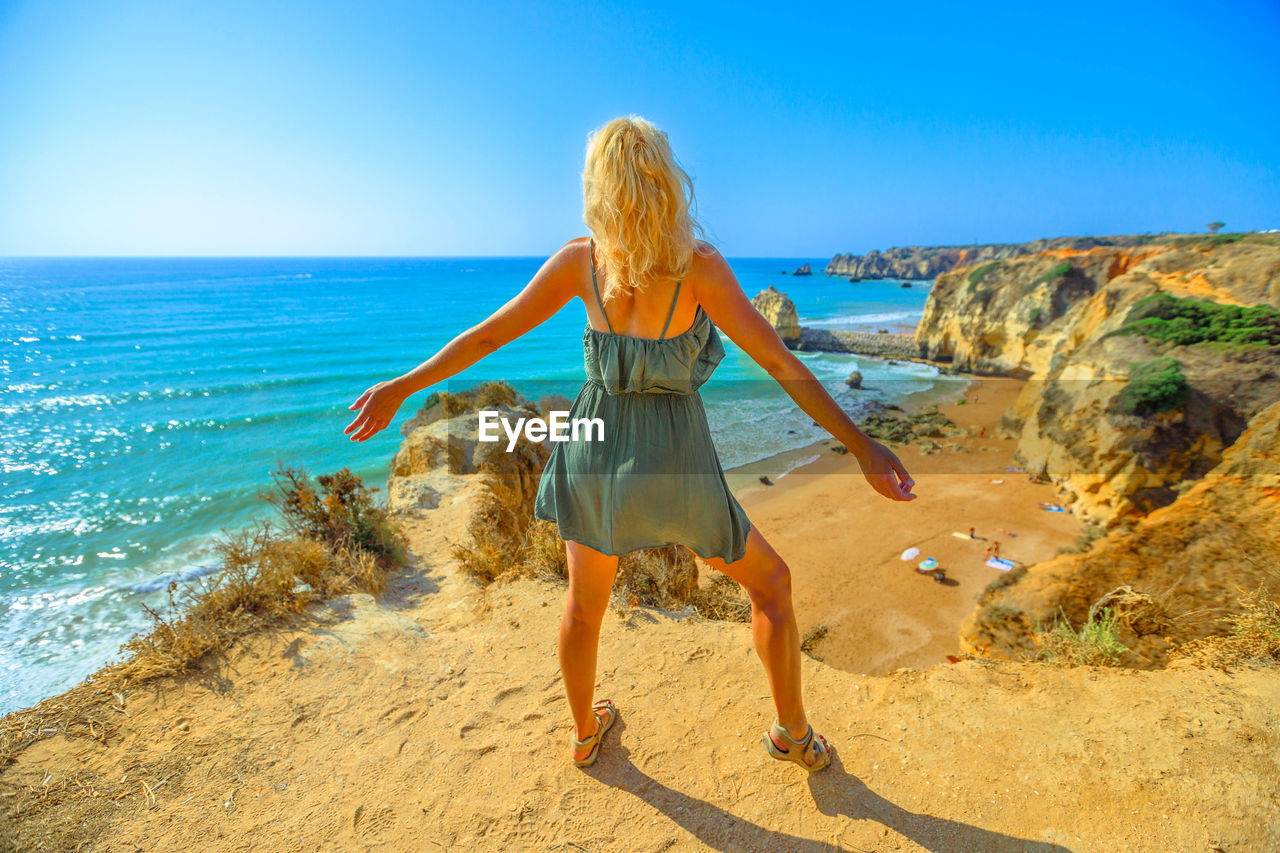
843,542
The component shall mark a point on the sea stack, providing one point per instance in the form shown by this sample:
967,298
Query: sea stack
779,311
803,270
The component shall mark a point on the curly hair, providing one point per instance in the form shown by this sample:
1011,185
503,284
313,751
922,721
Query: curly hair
638,205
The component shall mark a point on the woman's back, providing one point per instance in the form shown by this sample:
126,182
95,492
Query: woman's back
638,313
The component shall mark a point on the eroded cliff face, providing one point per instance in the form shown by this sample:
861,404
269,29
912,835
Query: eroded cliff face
1191,559
926,262
1053,318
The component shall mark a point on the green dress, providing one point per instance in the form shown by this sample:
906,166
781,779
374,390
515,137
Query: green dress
655,479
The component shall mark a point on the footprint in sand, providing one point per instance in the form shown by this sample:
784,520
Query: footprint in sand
374,821
503,694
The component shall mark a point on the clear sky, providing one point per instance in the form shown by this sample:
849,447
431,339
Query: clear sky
351,128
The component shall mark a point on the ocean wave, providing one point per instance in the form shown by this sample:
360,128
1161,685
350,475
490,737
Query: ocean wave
898,317
98,400
189,574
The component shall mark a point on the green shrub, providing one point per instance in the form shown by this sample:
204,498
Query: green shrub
1169,319
1037,316
980,273
1154,386
1096,643
1085,541
1062,270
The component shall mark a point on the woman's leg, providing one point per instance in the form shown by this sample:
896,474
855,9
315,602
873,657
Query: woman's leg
767,581
591,575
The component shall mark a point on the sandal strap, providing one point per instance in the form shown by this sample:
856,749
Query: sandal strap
804,741
601,705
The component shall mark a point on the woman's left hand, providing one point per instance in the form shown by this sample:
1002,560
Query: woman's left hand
378,406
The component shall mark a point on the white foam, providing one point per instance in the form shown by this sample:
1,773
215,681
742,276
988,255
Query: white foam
902,317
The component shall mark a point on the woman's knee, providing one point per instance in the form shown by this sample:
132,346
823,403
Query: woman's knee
587,609
772,583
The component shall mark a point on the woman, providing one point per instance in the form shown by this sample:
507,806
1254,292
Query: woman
655,479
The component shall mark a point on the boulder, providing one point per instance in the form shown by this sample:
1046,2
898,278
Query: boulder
854,380
780,311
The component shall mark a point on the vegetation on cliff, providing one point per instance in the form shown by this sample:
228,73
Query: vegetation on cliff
1156,385
1183,322
324,541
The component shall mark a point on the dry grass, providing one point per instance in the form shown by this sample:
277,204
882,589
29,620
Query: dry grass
325,542
486,395
812,637
1252,638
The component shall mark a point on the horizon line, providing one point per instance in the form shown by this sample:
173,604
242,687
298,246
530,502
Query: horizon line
338,257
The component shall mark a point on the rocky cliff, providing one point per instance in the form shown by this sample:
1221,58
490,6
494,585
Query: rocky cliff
1123,406
927,262
1179,568
780,311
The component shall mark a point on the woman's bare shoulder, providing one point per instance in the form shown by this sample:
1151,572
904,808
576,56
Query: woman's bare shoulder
569,256
708,267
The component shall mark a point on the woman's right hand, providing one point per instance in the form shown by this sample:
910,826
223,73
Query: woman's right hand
378,405
885,473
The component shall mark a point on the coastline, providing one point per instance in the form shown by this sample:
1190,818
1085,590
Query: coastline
879,614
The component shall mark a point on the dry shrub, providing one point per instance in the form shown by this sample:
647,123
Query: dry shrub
1253,636
344,517
321,546
667,578
427,453
553,403
812,637
502,533
486,395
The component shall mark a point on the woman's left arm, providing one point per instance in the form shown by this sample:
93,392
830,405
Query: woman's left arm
720,295
545,294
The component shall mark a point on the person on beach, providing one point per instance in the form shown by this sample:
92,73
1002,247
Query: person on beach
655,479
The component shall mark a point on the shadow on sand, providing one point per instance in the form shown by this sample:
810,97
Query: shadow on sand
834,792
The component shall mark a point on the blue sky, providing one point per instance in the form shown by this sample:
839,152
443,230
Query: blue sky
459,128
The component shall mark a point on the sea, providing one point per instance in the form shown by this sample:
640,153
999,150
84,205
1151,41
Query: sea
145,403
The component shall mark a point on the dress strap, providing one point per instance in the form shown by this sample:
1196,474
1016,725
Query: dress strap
599,301
670,313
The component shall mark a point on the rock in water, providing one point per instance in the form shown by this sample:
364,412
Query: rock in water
780,311
854,380
803,270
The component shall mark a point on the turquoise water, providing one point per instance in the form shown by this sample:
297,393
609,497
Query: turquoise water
146,401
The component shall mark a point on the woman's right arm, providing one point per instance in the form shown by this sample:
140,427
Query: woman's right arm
545,294
718,291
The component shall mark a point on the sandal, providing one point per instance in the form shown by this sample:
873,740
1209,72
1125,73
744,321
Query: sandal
601,728
805,752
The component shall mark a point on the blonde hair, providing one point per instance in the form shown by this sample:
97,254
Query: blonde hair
637,203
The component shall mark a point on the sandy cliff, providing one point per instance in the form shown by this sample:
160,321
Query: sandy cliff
926,262
1054,318
1191,559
